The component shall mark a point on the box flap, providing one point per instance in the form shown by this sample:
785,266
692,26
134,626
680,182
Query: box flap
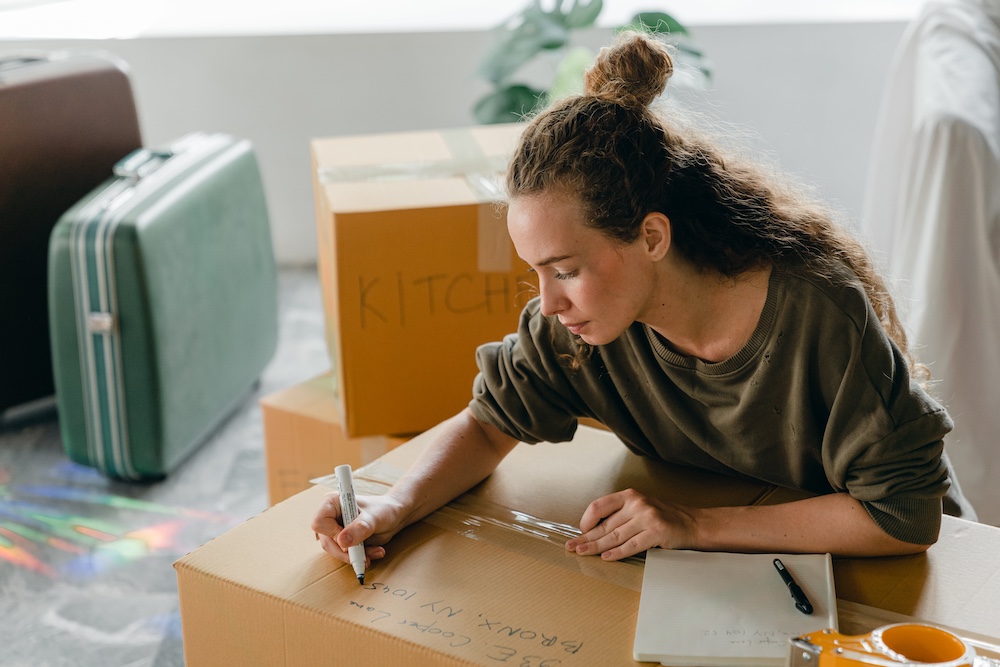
381,172
311,398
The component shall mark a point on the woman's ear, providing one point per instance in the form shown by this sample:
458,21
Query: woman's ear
656,235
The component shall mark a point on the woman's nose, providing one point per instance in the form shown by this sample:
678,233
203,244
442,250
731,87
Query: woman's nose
553,301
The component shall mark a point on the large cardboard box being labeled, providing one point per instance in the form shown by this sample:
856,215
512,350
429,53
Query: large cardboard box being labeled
416,269
486,580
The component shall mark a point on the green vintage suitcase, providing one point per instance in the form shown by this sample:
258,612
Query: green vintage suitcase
162,304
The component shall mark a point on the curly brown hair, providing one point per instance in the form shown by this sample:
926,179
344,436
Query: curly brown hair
624,157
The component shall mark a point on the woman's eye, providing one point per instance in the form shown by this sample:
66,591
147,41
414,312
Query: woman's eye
565,276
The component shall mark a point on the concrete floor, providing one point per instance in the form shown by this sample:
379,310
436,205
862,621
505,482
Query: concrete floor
86,563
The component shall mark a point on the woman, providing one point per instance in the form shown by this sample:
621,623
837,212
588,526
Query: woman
709,319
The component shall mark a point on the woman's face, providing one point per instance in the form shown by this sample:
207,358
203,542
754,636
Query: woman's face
596,287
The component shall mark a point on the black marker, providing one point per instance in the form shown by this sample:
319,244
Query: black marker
801,601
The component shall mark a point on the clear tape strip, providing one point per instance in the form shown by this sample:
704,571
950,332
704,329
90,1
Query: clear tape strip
484,181
493,252
495,524
481,172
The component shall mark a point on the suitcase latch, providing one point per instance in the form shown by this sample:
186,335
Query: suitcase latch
140,163
100,323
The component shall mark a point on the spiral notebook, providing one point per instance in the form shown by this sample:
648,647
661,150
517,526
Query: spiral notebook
714,608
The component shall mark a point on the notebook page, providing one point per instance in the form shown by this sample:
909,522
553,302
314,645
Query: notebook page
705,608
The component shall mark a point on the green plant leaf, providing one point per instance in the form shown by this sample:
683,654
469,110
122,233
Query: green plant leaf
656,22
534,29
569,73
582,14
689,50
507,105
519,39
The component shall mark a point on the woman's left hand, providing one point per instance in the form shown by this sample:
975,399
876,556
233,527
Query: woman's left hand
627,522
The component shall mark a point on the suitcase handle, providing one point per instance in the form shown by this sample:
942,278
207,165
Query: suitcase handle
141,163
17,61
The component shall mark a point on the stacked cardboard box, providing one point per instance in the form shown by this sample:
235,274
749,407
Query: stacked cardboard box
304,437
486,579
416,271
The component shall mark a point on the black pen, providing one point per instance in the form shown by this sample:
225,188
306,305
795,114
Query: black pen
801,601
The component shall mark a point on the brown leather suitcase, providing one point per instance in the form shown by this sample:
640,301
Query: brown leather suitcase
65,119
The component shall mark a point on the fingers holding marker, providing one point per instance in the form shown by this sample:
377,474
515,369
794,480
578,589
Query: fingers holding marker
336,539
356,532
326,526
327,518
333,548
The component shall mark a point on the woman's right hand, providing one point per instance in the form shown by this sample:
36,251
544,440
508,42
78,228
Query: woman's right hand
377,522
461,453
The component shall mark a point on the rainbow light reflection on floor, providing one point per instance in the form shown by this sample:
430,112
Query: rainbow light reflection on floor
56,531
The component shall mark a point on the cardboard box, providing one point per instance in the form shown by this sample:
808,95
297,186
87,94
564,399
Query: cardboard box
486,579
416,269
304,437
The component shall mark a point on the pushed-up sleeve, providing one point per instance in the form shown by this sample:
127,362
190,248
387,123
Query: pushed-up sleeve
903,493
523,386
884,441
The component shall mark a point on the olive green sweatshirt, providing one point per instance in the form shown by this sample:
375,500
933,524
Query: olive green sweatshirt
818,400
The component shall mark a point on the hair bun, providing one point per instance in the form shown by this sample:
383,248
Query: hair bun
632,72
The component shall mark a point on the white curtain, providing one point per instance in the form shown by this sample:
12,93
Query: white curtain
932,213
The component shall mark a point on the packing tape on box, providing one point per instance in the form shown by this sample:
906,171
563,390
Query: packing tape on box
482,173
492,240
486,521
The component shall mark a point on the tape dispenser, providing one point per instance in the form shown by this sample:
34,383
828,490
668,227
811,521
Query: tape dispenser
888,646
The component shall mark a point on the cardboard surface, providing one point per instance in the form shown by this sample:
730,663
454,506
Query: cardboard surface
304,437
486,580
416,270
955,583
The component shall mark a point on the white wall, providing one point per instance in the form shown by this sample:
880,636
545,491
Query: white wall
811,92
